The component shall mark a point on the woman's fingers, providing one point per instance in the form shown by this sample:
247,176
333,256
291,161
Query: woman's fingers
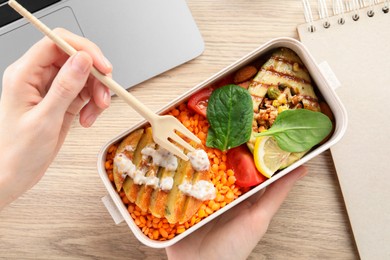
101,93
31,76
67,85
89,114
100,100
83,44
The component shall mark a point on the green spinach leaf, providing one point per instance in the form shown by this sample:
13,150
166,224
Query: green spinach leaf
298,130
230,114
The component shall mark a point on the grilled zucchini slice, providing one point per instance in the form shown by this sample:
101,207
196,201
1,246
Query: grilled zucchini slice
127,146
131,189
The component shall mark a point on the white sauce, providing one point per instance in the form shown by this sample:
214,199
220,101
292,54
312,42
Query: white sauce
127,168
124,165
139,177
129,148
152,181
166,183
202,190
199,160
161,157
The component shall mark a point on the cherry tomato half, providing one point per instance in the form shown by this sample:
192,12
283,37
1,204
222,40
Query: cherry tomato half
199,101
240,160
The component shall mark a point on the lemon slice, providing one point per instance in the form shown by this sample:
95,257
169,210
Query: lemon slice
268,156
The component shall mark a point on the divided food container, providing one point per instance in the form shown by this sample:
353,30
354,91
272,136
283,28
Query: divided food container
113,201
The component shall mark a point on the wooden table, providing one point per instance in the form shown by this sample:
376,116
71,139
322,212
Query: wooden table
63,216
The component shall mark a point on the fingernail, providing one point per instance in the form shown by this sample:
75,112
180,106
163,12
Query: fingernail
90,120
107,62
80,63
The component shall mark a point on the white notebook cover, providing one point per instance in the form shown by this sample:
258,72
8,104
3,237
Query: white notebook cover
359,54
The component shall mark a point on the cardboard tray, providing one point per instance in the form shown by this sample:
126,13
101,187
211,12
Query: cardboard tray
113,201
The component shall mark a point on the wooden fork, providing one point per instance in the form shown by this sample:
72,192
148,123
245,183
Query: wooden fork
164,127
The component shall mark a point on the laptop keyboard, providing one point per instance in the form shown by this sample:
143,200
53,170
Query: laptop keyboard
8,15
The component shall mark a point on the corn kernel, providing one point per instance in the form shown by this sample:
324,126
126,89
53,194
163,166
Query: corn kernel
282,108
295,66
282,99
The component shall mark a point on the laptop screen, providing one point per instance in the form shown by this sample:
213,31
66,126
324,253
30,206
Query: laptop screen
8,15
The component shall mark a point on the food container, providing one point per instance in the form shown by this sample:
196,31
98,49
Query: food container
113,201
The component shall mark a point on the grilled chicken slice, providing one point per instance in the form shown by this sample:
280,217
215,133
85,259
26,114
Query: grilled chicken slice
127,147
284,69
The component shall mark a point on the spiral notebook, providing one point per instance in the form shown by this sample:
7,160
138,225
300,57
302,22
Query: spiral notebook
355,42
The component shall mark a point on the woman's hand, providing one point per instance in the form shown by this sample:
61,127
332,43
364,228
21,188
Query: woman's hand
237,232
42,94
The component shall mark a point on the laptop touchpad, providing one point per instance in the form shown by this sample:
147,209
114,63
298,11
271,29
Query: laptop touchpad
16,42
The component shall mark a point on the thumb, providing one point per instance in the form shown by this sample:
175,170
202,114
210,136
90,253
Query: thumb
68,83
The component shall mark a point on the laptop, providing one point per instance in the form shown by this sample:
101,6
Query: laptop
141,38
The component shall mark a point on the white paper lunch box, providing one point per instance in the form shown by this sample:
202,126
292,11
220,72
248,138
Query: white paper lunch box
118,209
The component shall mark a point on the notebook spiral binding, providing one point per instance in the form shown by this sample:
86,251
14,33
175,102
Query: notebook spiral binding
340,8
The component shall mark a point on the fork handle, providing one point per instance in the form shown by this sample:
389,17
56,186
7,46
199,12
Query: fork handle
67,48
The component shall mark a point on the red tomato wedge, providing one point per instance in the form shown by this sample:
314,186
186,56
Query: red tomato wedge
240,160
198,102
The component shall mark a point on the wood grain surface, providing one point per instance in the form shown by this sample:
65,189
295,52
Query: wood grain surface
63,217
